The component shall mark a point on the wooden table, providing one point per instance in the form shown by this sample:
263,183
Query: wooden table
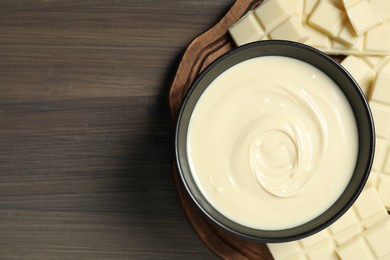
85,133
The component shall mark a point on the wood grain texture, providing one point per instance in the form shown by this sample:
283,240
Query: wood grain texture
85,131
203,50
200,53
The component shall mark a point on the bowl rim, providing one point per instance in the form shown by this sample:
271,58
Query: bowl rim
252,235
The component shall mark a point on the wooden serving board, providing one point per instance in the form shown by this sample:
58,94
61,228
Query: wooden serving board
201,52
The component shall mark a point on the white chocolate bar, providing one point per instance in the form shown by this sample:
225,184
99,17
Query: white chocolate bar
369,207
308,7
297,7
364,215
323,25
380,155
380,174
374,61
274,20
272,13
374,42
356,249
381,88
371,244
247,30
382,7
327,18
383,187
347,35
377,40
365,69
361,72
363,18
317,39
373,75
291,29
356,9
381,115
330,18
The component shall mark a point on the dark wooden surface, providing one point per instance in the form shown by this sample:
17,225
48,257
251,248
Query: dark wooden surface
85,133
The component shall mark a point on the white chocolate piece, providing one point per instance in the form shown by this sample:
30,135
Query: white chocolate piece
357,46
272,13
342,237
356,249
365,68
360,71
338,48
347,221
384,190
291,29
386,169
341,28
375,42
347,35
384,67
308,8
380,154
327,18
312,240
298,256
297,7
286,26
246,30
378,238
381,88
361,15
378,39
381,115
382,7
325,250
373,179
369,207
371,244
365,214
284,250
295,250
380,173
316,38
280,13
374,61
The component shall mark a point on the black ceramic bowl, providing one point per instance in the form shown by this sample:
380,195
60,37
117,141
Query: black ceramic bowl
356,99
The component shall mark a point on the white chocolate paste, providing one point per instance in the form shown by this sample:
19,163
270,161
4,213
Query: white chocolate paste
272,143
